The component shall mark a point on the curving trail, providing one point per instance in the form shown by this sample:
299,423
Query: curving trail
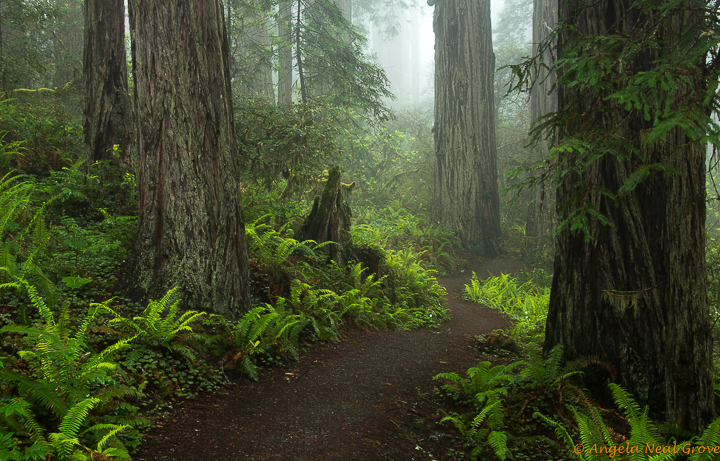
339,402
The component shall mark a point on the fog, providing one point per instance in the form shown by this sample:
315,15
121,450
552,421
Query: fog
406,52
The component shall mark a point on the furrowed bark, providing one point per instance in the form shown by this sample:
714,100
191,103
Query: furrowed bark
191,231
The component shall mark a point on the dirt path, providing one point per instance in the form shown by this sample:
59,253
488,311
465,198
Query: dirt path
340,402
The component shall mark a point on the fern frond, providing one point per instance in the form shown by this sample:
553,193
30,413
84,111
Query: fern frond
560,432
498,442
75,417
711,435
21,407
112,431
40,391
63,444
261,325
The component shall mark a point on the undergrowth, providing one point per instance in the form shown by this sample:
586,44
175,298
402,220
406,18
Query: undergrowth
526,303
82,373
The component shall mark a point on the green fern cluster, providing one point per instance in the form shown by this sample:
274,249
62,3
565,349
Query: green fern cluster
526,303
154,326
645,443
484,387
263,330
161,357
23,238
57,403
395,227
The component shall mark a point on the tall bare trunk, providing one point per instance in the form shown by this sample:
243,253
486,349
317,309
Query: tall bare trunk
108,119
543,100
465,198
285,54
191,232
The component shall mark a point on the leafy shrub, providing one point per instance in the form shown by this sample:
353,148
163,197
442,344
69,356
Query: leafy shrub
299,138
51,135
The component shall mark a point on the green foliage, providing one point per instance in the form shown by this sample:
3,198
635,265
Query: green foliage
393,163
335,66
64,381
299,139
484,388
645,443
526,303
482,385
154,326
161,354
395,227
50,136
627,77
261,331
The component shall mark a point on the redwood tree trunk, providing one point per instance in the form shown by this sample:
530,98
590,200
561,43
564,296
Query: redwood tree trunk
465,198
543,100
635,296
285,82
108,111
191,232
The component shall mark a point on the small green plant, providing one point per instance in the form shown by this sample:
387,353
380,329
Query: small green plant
154,326
484,388
64,382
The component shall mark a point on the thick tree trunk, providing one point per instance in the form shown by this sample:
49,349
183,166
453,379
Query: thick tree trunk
465,198
541,209
108,110
285,54
635,296
191,232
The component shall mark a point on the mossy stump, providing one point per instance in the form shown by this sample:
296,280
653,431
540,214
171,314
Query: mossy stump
329,220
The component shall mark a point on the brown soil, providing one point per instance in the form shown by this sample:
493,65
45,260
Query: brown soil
365,398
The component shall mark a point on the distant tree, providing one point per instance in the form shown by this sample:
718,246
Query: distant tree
251,48
465,198
285,54
66,32
107,119
543,101
636,87
190,231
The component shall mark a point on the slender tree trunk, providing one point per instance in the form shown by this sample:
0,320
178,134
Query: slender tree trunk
541,209
636,296
191,232
415,47
465,198
255,55
285,54
298,54
107,120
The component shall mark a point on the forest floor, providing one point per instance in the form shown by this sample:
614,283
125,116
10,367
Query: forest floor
368,397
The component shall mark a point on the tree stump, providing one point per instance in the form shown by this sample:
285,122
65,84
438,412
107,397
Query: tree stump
329,220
